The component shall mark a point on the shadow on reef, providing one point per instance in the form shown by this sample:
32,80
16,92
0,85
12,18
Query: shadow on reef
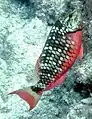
26,2
28,8
83,89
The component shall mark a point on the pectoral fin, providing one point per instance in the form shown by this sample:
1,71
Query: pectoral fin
81,52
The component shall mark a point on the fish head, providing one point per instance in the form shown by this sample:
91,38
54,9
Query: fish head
72,21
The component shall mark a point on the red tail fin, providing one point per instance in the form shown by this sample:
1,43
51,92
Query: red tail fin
29,96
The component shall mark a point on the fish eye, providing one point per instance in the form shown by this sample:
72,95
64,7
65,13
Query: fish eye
70,15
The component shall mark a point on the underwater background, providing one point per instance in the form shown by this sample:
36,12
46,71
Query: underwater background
24,27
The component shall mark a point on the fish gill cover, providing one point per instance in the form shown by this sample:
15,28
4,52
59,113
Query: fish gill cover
23,32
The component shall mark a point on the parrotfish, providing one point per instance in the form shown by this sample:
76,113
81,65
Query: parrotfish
61,49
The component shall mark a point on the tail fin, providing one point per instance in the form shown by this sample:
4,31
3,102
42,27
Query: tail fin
29,96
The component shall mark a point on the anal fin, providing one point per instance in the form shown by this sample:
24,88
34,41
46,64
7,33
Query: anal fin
57,82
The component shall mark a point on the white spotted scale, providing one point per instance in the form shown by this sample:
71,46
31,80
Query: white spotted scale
53,55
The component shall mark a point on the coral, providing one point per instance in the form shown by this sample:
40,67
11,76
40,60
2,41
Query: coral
24,27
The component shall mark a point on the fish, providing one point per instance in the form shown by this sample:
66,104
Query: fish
62,47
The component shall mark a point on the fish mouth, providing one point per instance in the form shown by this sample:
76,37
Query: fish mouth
73,21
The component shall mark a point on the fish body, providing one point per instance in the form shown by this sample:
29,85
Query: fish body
62,47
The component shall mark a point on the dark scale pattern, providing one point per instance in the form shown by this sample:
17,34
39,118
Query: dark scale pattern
53,55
